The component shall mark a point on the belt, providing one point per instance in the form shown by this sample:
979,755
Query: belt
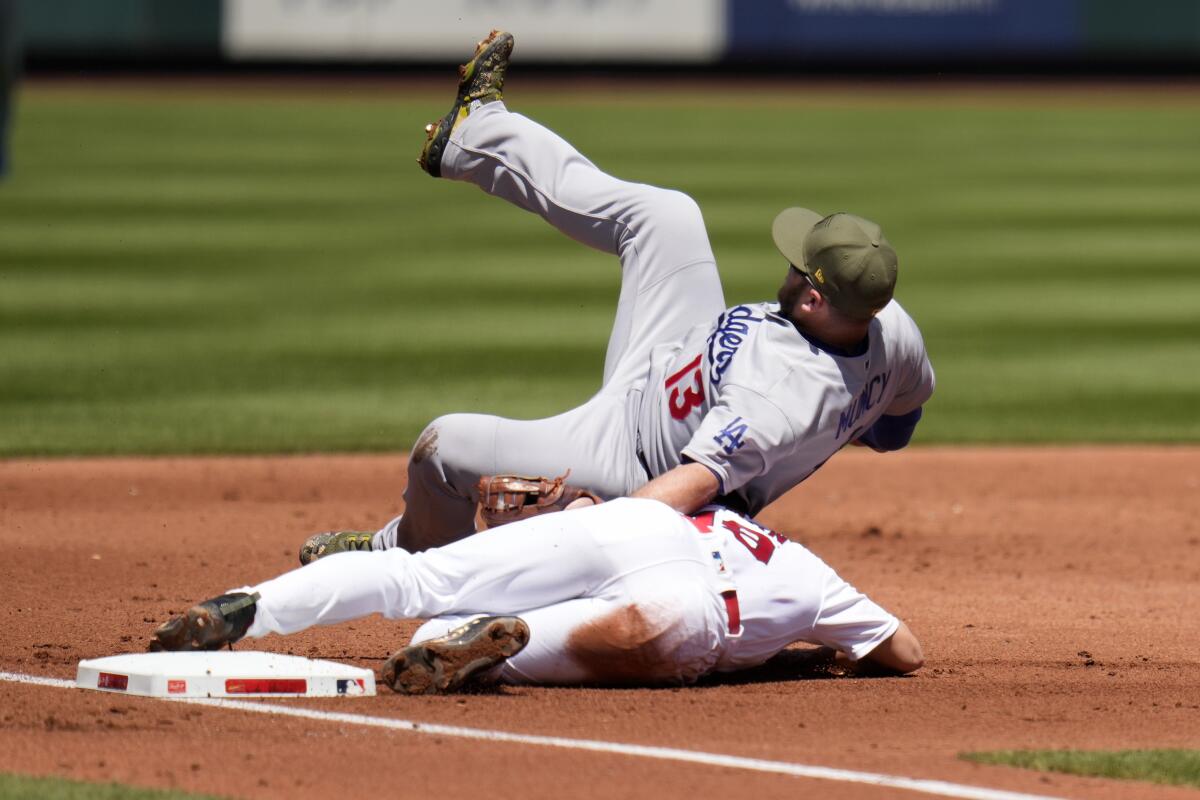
641,456
733,611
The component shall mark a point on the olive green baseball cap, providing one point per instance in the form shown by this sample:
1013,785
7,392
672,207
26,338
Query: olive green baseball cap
845,256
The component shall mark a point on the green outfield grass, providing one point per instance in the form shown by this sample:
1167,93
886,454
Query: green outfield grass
1175,767
209,271
20,787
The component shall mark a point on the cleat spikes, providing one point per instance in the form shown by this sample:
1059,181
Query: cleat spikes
207,626
479,80
457,659
328,543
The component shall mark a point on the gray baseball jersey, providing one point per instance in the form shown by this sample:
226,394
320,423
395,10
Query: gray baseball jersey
749,397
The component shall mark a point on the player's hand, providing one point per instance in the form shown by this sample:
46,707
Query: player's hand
583,502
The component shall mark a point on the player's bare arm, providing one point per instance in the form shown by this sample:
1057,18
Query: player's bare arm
685,488
900,652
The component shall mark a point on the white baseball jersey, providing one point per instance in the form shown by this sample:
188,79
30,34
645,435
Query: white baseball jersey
672,597
752,399
785,594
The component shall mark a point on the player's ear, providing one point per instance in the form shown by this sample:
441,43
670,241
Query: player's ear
812,300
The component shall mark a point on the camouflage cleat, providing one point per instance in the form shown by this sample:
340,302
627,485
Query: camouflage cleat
449,662
480,79
320,545
209,625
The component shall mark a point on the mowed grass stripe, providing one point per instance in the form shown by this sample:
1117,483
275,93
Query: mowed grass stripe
198,273
1174,767
28,787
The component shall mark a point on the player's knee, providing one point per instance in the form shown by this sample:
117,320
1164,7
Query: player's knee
448,451
449,438
426,446
426,465
679,222
680,212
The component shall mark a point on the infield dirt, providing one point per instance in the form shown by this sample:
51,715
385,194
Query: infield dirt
1055,592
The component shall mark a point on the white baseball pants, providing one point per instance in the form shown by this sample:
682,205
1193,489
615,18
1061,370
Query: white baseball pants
620,592
669,283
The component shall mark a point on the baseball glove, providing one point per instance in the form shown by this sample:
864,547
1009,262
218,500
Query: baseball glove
508,498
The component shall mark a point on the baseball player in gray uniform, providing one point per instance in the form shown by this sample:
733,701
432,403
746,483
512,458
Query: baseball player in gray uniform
699,402
628,591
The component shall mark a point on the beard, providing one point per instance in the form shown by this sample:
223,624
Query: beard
788,297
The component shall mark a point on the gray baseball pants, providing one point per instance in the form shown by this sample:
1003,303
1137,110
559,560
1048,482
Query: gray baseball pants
669,283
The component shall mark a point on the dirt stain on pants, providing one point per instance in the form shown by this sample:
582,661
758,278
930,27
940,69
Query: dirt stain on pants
426,445
630,645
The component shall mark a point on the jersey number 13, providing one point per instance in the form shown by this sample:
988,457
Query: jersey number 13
681,397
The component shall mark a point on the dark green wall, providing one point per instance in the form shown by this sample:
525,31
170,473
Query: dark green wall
1154,28
125,28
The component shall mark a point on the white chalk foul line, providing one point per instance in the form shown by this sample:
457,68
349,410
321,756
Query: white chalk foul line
36,680
940,788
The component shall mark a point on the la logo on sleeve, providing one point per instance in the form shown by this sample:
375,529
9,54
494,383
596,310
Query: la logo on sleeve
731,436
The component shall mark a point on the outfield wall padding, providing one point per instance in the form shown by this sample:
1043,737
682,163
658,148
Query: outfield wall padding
701,32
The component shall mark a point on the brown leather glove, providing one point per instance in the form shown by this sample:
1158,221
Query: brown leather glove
508,498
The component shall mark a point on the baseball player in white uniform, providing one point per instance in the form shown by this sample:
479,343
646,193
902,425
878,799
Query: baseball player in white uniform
699,402
629,591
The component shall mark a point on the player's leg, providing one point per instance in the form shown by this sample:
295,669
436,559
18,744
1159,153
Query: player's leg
456,450
654,616
661,624
601,641
669,283
657,618
527,564
657,599
517,567
594,442
669,275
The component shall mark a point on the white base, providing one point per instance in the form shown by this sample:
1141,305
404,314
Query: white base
223,673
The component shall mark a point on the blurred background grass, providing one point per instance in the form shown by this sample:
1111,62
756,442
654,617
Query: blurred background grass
207,270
